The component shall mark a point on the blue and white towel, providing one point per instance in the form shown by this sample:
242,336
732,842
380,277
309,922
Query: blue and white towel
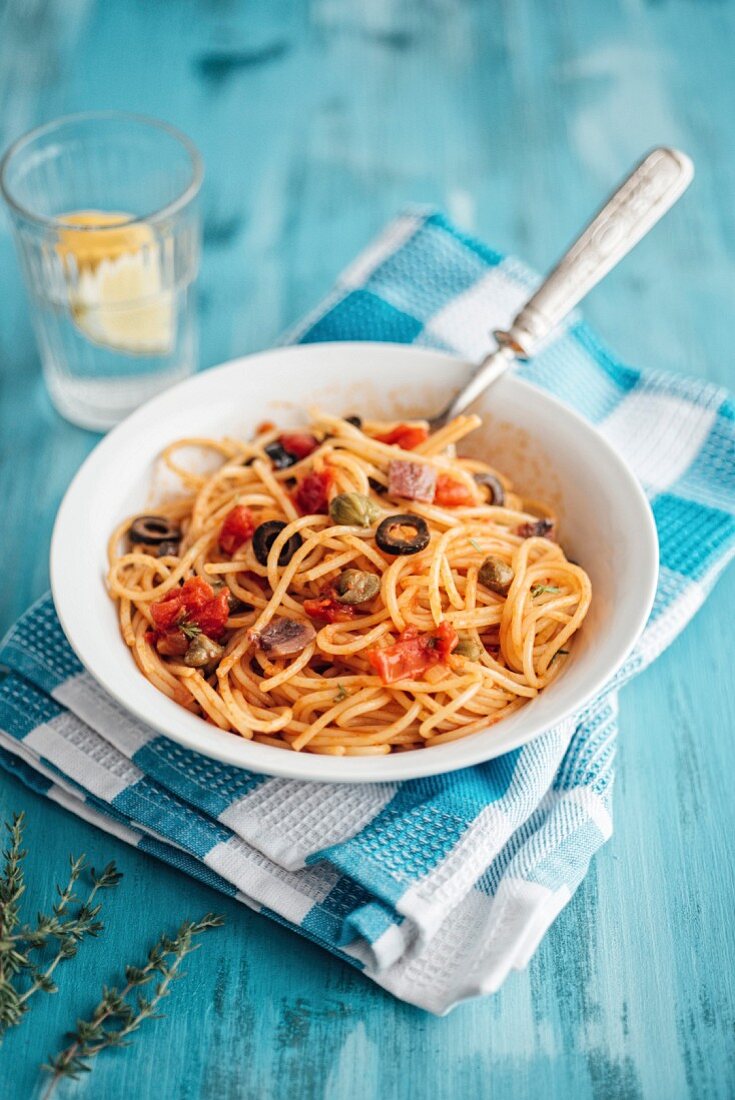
438,887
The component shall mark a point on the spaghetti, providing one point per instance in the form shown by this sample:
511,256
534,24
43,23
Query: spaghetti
350,589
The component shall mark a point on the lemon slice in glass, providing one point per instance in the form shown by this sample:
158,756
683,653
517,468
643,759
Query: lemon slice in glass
114,282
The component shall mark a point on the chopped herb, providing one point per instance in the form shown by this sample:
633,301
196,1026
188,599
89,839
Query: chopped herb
189,629
341,694
559,653
537,589
23,970
474,543
121,1011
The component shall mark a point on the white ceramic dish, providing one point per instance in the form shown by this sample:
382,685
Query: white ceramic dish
548,451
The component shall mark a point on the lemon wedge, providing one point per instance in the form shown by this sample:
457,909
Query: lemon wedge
116,292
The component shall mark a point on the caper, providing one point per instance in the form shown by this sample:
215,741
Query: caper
389,538
153,530
202,651
266,534
496,575
355,586
468,647
496,492
353,510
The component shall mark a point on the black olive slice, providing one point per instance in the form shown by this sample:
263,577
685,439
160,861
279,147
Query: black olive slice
541,529
356,421
279,456
153,530
238,606
377,486
264,537
497,492
391,541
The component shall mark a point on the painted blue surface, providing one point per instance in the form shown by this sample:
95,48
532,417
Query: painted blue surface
317,121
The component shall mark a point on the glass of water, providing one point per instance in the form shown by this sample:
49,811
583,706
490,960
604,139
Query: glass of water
106,222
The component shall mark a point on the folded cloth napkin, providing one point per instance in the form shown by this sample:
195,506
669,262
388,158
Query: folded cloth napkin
435,887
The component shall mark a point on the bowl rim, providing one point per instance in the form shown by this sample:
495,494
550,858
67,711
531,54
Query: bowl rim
195,734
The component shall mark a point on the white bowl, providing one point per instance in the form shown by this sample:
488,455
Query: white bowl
547,450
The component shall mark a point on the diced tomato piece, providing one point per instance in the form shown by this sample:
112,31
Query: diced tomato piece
195,593
413,653
165,612
237,528
406,436
195,603
329,609
445,640
180,602
299,444
451,493
212,617
405,660
312,495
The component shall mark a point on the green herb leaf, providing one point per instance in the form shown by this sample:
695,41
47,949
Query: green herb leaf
559,653
92,1036
20,975
475,544
537,589
341,694
190,629
110,876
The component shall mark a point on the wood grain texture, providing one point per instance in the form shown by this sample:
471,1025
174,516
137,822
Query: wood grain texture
317,121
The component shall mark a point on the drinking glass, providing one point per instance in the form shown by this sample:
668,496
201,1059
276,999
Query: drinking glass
106,223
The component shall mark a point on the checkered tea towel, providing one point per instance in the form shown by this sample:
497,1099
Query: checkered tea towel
438,887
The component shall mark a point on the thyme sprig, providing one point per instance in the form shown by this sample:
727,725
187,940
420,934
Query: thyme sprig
98,1032
538,589
559,653
189,629
22,974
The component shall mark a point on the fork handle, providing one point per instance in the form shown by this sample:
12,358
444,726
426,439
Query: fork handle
645,196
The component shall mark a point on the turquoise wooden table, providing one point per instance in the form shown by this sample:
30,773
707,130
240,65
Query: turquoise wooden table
317,121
